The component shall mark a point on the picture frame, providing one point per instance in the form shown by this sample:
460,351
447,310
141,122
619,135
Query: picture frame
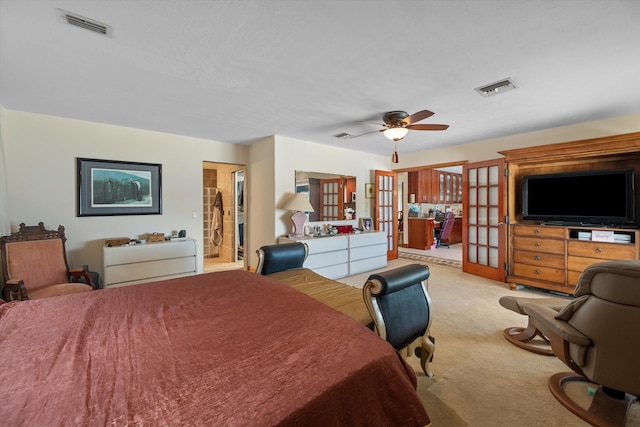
368,191
366,224
111,187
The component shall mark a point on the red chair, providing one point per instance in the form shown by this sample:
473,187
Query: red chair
444,231
34,265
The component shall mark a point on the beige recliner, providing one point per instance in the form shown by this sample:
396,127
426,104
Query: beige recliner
597,336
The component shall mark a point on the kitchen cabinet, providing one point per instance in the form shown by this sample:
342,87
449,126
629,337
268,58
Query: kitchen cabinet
433,186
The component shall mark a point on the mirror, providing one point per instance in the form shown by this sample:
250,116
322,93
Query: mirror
332,196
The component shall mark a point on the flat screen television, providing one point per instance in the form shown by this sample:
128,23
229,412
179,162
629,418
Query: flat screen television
603,197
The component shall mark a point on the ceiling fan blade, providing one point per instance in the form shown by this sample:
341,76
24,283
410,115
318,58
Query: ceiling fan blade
428,127
366,133
416,117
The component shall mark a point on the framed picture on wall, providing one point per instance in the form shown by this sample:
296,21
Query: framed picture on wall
110,187
366,224
368,191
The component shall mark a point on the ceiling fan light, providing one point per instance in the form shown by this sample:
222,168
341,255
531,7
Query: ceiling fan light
396,134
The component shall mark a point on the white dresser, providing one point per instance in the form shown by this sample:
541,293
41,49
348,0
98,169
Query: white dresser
367,251
344,254
129,265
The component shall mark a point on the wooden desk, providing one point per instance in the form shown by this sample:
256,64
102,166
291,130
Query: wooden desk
421,234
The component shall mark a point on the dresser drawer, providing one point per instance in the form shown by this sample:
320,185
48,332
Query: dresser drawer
542,259
535,244
547,274
601,250
579,263
539,231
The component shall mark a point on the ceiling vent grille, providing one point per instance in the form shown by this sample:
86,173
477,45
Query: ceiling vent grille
496,88
83,22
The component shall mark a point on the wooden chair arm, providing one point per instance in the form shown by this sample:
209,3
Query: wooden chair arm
14,290
79,275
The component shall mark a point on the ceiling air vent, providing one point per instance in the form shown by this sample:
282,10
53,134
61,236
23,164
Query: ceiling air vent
496,88
86,23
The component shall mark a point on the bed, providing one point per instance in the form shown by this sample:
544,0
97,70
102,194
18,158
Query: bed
344,298
228,348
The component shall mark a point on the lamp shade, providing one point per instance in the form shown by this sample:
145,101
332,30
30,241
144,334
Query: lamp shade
299,202
396,133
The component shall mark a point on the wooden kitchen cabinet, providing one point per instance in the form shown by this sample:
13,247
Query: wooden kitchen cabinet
433,186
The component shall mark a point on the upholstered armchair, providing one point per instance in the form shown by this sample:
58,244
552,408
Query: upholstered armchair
34,265
400,307
596,335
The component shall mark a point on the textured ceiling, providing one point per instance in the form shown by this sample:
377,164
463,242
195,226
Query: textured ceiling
238,71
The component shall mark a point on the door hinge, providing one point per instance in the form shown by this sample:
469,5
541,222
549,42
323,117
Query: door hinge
506,171
506,219
506,268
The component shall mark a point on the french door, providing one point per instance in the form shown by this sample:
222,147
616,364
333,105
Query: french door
484,231
386,212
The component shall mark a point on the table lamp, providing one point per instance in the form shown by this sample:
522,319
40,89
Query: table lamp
300,204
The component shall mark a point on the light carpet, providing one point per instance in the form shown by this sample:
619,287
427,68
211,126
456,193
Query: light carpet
479,378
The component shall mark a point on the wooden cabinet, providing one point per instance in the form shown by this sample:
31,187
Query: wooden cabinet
423,183
433,186
553,257
420,231
129,265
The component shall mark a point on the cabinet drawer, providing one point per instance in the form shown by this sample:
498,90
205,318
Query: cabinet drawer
539,231
547,274
367,239
572,277
323,259
538,244
541,259
149,271
365,252
578,263
601,250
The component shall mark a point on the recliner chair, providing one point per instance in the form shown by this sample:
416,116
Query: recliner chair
596,335
400,307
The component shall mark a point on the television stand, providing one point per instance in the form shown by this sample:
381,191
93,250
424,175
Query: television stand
553,258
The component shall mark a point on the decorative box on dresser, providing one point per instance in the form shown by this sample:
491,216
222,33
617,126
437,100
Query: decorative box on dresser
344,254
553,257
132,264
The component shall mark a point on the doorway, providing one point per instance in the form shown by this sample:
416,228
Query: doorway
409,206
223,210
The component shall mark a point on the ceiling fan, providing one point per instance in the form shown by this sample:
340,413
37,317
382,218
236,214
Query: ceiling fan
398,123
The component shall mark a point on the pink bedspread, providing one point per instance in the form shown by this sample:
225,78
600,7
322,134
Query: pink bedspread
229,348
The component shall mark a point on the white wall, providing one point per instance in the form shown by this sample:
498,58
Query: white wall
41,156
488,149
273,164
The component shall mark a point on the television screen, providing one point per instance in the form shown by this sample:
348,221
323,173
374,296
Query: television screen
604,197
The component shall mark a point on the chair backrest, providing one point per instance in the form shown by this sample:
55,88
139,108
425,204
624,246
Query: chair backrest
399,303
607,311
276,258
449,220
35,255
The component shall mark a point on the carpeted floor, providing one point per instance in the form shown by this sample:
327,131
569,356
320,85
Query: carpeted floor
479,378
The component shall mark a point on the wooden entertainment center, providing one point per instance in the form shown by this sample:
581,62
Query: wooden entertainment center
553,256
